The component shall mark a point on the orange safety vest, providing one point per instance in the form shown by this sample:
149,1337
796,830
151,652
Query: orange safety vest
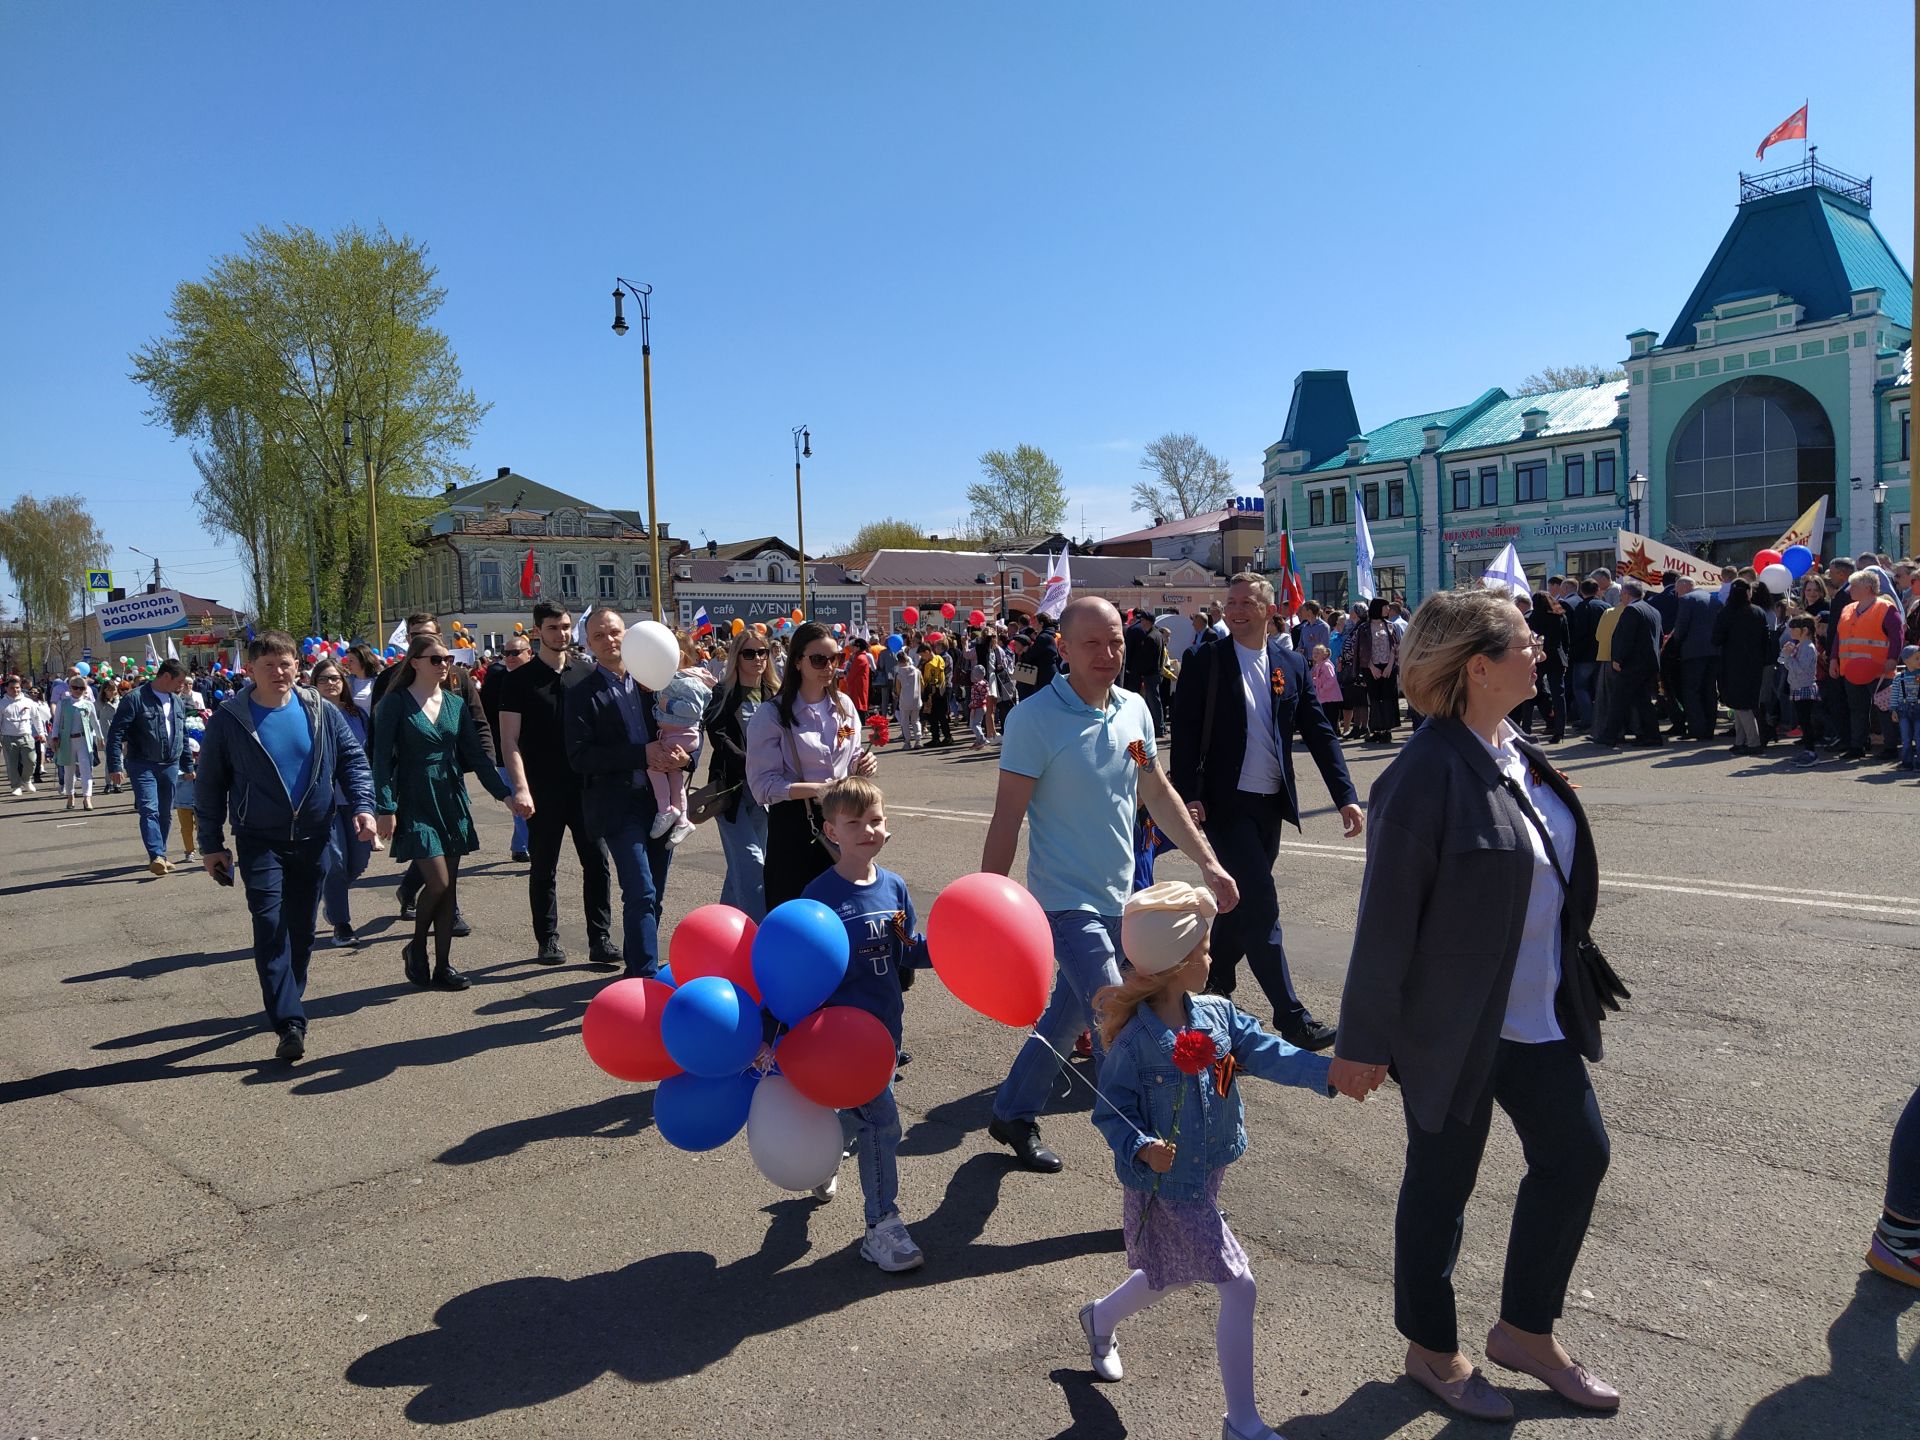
1861,654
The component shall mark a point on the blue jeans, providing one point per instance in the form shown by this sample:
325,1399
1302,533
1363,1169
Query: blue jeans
282,880
1086,948
641,863
346,862
153,800
876,1125
519,844
1582,676
1910,739
744,839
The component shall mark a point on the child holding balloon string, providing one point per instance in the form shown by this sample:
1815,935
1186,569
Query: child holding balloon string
1170,1107
874,905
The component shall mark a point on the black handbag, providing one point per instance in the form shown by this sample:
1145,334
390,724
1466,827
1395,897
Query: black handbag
1589,987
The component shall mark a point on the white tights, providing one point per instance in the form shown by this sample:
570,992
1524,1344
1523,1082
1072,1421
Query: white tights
1232,1335
79,777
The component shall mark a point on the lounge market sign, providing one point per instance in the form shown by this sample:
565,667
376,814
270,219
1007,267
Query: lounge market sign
1543,532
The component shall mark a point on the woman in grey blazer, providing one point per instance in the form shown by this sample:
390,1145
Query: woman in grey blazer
1480,874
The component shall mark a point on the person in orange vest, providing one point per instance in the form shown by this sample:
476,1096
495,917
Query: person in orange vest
1866,649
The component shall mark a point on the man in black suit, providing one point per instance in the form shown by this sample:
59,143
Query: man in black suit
1238,707
1146,657
1583,654
1636,666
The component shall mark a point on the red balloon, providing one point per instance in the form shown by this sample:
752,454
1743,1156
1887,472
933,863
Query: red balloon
1766,558
946,611
714,940
910,616
839,1056
991,945
622,1030
977,617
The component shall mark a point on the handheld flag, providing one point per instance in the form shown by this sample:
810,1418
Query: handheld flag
701,624
398,639
1794,127
1809,530
172,654
1362,554
1059,587
1289,594
529,577
1507,573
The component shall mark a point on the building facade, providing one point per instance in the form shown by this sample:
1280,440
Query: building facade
1786,377
759,581
1223,541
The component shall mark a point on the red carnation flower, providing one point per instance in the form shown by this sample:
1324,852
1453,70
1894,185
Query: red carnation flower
1193,1052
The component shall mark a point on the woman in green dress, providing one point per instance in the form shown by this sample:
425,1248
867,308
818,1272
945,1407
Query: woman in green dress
423,735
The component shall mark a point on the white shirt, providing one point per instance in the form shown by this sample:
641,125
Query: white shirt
1536,971
19,718
1260,770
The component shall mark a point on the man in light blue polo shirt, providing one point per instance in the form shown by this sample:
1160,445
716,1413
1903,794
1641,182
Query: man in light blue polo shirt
1076,758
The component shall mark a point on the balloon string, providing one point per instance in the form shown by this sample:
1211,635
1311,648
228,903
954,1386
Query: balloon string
1063,1063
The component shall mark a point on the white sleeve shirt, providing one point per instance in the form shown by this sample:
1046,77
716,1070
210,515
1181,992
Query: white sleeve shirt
1260,770
1536,971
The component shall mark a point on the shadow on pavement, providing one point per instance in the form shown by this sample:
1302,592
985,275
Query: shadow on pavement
69,879
947,1124
1872,1390
615,1117
1383,1408
520,1343
160,965
1093,1415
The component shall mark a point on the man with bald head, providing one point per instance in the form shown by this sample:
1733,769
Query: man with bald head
1076,759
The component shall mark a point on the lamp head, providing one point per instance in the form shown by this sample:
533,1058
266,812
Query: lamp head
619,315
806,443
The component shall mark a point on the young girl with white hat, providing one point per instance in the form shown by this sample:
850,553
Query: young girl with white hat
1170,1108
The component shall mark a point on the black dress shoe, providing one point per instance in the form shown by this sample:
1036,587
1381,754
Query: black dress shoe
407,911
460,927
606,957
1023,1138
1308,1034
414,956
551,953
445,977
293,1044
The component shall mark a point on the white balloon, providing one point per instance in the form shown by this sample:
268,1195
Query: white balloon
652,654
1778,580
794,1143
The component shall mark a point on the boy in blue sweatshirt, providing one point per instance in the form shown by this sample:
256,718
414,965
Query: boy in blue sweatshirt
881,946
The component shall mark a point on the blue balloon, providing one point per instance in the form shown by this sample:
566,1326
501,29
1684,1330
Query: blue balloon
896,644
698,1112
711,1027
799,958
1798,559
83,668
665,976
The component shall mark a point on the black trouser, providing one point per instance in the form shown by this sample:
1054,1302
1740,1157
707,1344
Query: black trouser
1803,716
1546,1093
1860,714
1630,701
1383,704
1833,699
1697,677
1672,709
795,856
556,811
1245,834
939,732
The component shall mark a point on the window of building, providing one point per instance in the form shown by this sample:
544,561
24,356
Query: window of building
1016,581
1330,589
1338,499
1576,476
1906,436
1489,485
1317,507
569,580
1529,481
775,574
607,582
1463,489
1603,473
486,578
1757,452
1396,498
1370,501
1390,581
642,583
1582,563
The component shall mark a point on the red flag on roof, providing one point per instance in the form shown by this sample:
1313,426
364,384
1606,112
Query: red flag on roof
1794,127
529,578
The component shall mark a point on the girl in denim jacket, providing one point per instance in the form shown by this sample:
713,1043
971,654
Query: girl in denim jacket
1170,1108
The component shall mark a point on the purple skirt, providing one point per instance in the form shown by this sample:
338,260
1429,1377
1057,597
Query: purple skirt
1182,1242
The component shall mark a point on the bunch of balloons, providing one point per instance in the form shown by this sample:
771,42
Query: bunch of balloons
1778,569
697,1030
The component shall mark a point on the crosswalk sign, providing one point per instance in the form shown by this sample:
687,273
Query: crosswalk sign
99,580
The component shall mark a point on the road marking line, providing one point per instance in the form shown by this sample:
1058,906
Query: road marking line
1743,885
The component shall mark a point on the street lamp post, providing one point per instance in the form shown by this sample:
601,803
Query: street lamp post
1879,515
1636,498
640,294
1000,564
1453,573
373,520
802,449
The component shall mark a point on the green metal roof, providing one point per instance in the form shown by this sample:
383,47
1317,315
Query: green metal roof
1868,259
1397,440
1569,412
517,492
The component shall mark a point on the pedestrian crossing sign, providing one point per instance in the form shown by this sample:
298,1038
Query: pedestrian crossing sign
99,580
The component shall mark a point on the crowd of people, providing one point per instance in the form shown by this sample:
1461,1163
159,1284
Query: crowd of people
1112,747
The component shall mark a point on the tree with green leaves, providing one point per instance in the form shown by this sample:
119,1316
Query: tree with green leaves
1188,479
1021,494
266,361
889,534
1567,377
48,546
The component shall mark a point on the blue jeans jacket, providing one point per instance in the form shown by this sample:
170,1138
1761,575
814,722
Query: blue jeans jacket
1140,1082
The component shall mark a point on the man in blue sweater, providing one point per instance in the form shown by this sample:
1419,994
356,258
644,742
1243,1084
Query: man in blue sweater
269,759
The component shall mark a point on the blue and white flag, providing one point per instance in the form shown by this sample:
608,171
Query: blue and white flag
1507,573
1059,587
1362,554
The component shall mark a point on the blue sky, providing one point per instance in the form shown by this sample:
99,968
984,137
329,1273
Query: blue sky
923,230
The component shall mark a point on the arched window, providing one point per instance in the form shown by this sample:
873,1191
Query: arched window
1757,451
774,573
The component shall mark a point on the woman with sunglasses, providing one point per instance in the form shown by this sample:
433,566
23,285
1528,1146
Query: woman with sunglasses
347,854
745,685
424,734
796,747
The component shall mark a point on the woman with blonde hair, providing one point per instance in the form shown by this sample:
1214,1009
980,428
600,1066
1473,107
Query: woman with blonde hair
1473,976
76,733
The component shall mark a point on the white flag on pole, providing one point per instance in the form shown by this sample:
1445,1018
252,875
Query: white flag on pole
398,638
172,654
1362,554
1507,573
152,656
580,627
1059,586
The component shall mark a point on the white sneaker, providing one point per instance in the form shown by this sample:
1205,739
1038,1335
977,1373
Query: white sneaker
16,789
662,823
1103,1350
32,789
889,1246
1259,1432
682,827
825,1193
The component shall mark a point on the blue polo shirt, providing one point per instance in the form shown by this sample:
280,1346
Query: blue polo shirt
1085,793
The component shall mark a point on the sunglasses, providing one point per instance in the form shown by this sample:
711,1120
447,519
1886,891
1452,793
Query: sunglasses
436,659
753,654
821,662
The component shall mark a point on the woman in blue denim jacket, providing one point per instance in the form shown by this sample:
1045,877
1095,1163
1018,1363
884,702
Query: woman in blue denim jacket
1170,1108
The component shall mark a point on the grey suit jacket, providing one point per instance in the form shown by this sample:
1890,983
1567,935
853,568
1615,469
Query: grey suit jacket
1443,903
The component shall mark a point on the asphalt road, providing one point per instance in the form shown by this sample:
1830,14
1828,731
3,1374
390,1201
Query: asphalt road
448,1218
